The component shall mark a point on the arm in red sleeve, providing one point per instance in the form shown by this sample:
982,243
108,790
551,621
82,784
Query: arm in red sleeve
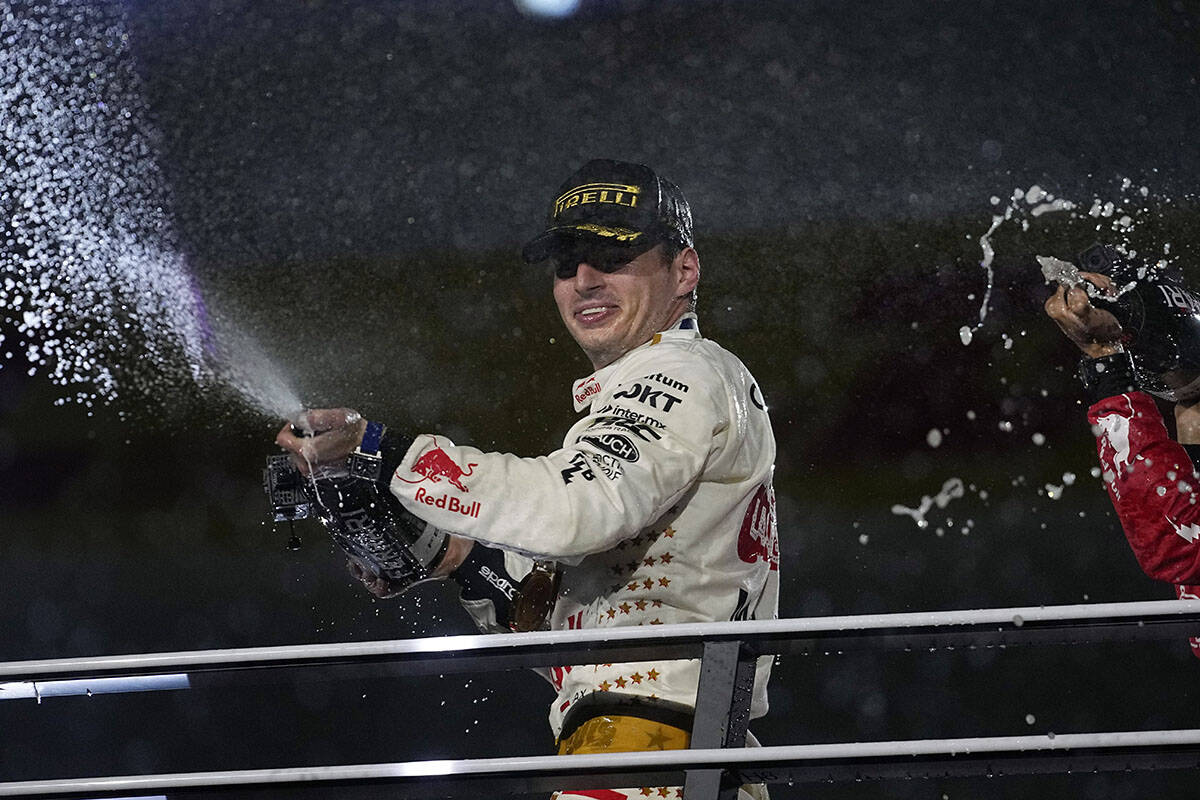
1153,486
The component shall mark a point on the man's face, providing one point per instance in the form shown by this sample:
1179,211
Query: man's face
611,305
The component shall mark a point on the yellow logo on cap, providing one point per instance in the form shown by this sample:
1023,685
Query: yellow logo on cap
620,234
616,193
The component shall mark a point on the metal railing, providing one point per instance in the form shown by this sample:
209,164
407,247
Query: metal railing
716,763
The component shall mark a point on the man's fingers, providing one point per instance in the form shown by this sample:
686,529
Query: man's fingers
1078,302
375,583
288,440
1101,282
323,420
1068,307
332,434
357,569
1055,304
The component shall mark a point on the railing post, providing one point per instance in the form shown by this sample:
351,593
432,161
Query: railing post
722,713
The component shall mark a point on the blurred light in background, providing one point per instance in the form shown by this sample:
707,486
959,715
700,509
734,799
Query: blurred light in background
39,690
547,8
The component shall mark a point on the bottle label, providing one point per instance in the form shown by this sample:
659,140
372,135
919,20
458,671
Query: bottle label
1180,299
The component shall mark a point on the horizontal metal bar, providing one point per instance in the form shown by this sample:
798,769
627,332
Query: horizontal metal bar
814,762
997,627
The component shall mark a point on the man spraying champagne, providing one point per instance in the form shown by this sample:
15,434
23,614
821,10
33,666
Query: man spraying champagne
1139,336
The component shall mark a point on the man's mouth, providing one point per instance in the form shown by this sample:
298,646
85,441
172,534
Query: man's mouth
593,314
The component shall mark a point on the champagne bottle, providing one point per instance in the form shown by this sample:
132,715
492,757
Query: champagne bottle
1160,318
362,517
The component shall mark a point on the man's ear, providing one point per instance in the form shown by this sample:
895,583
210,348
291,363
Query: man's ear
687,265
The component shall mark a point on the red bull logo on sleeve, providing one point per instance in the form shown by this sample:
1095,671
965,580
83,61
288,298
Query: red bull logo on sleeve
436,466
584,390
448,503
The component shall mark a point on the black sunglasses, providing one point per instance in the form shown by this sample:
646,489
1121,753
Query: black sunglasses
605,259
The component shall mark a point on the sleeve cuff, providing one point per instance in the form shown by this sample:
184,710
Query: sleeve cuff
392,449
1107,376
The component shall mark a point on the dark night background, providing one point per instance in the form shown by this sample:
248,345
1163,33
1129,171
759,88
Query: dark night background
352,182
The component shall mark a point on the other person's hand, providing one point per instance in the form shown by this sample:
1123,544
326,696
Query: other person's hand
1187,422
335,433
1093,330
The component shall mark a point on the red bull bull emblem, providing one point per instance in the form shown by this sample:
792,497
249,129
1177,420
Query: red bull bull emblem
437,466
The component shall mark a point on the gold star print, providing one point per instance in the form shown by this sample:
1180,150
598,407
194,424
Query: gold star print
604,687
625,608
669,533
612,613
658,603
663,792
656,621
658,740
641,604
665,558
621,682
648,561
664,581
631,587
636,677
647,792
653,674
649,584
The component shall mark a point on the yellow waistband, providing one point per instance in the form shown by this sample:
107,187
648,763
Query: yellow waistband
620,734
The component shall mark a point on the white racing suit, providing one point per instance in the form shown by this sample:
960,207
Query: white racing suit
659,505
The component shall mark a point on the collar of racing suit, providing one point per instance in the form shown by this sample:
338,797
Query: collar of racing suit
686,327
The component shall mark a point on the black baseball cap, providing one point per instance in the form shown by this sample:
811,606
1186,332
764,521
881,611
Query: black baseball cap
614,203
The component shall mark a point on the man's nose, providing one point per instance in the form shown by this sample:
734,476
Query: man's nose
587,276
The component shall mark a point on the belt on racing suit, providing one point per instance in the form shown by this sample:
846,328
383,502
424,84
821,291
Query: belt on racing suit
610,722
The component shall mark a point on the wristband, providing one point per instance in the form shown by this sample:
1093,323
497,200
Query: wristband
1108,376
393,446
365,461
371,437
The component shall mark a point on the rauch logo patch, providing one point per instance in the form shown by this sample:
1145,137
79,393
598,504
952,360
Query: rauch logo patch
615,445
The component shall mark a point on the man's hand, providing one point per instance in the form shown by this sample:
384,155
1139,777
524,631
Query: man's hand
456,552
376,584
336,432
1187,422
1095,331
